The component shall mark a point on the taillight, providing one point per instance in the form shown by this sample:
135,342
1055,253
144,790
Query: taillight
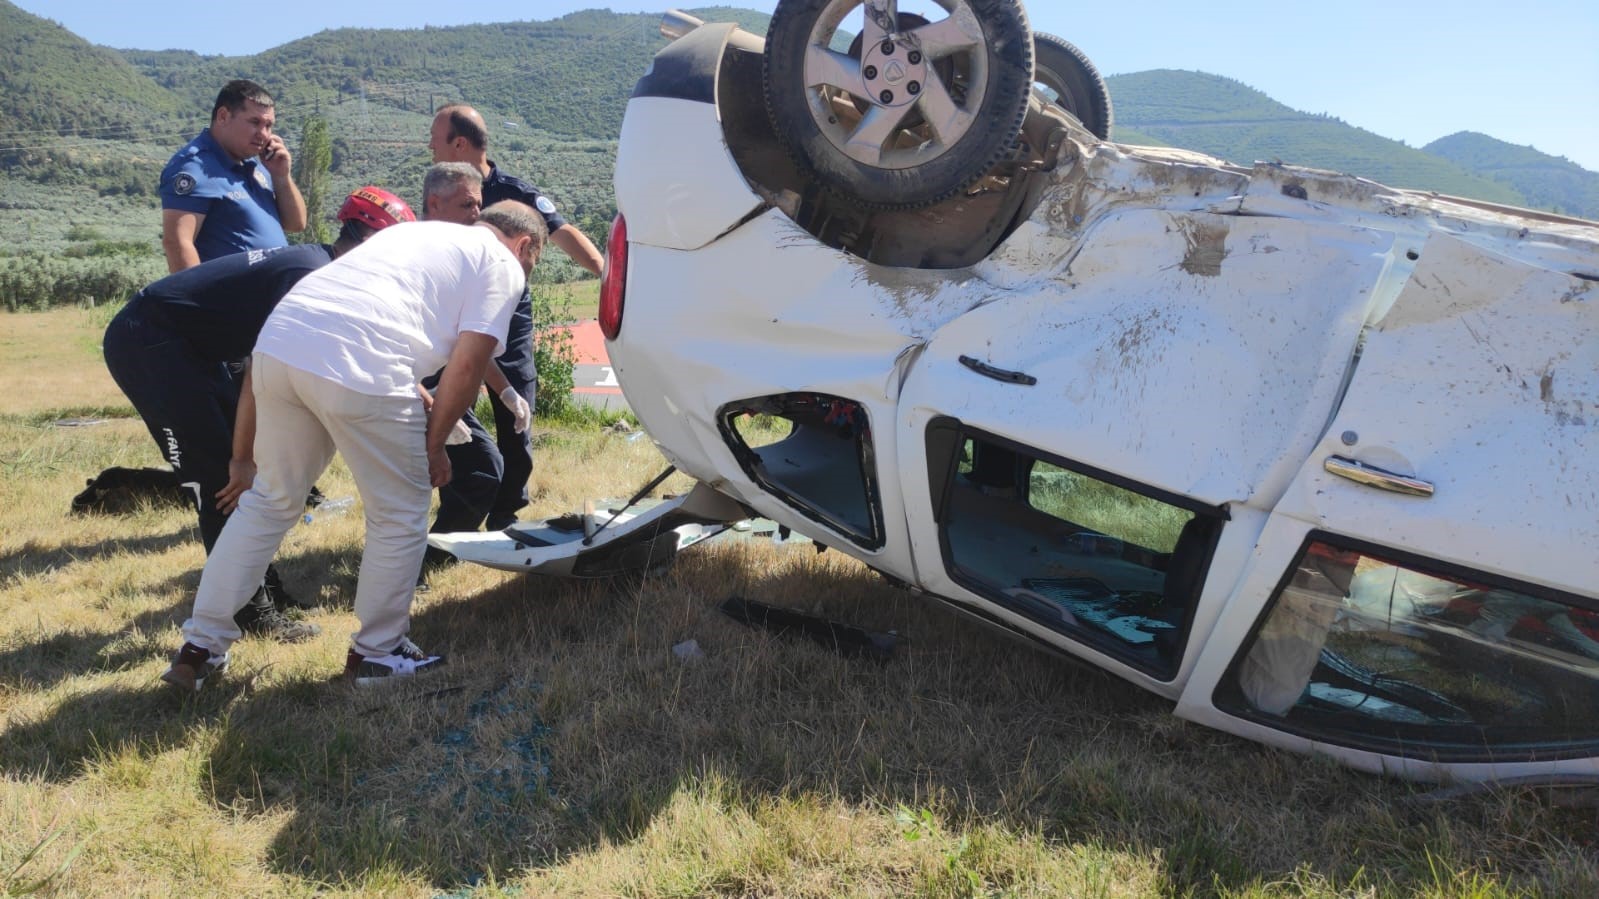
613,286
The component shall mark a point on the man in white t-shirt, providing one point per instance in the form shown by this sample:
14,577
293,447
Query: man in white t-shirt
336,368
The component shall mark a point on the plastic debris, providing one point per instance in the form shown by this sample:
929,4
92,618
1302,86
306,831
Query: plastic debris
845,639
331,507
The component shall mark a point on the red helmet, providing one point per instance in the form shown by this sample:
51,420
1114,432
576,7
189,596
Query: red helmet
375,207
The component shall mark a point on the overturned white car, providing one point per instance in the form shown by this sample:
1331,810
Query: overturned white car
1316,458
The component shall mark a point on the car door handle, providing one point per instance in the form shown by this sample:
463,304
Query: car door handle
998,374
1371,476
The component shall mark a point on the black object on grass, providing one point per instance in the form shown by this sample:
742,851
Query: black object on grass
845,639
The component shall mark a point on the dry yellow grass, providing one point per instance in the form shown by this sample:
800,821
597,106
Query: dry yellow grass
567,751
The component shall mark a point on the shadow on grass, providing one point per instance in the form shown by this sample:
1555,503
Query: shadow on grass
36,557
95,725
41,664
564,723
320,578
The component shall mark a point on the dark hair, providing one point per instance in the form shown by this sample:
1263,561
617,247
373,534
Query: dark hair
236,93
463,125
351,234
515,219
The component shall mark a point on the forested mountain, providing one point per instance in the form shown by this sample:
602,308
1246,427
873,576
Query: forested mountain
1229,119
84,129
570,75
53,82
1551,182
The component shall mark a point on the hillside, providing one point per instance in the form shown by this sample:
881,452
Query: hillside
1552,182
86,128
1229,119
56,83
568,76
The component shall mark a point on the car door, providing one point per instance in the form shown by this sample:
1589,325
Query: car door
1424,599
1088,457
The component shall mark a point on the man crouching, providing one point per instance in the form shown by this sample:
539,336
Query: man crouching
336,368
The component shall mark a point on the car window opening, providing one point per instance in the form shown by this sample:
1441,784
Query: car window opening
1359,649
1104,563
814,452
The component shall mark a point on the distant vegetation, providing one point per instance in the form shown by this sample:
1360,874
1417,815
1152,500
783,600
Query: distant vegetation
1551,182
1229,119
55,83
568,76
85,130
102,273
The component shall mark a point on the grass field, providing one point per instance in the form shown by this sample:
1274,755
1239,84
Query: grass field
577,300
567,751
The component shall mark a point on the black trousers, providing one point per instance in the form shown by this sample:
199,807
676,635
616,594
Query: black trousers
187,403
515,449
476,469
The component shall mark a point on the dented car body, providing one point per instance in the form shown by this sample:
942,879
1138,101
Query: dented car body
1314,458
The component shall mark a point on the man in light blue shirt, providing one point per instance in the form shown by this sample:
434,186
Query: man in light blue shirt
230,189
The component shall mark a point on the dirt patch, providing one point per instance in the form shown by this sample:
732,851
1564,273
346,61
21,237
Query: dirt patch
1207,248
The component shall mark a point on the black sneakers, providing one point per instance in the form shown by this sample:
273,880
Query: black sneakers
278,594
404,660
265,620
191,666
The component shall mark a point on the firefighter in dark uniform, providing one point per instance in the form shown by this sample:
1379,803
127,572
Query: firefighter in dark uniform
178,348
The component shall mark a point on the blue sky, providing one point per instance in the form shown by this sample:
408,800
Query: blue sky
1415,71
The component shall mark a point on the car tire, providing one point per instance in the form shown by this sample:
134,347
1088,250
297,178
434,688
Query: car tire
1075,83
888,140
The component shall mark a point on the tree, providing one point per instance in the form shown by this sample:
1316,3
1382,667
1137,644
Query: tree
311,165
554,357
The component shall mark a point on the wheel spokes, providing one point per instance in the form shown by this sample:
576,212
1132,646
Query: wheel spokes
866,142
829,68
947,121
956,33
880,16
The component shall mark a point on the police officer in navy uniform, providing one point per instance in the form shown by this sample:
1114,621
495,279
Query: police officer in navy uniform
177,350
460,135
453,192
230,188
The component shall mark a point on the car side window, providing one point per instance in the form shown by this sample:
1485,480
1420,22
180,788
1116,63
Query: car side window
1111,564
1361,646
813,451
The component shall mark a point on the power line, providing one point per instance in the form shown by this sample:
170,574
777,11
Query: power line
126,127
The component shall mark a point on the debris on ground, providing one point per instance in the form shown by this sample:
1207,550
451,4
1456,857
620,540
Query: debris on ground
845,639
118,491
497,757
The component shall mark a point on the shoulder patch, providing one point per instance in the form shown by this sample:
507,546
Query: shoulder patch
183,184
544,205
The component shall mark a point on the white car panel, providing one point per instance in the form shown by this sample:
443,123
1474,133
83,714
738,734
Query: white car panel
1219,397
676,182
1484,380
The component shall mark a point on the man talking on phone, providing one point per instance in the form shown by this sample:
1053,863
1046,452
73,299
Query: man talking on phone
230,189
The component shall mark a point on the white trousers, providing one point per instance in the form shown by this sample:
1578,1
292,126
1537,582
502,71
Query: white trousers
300,420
